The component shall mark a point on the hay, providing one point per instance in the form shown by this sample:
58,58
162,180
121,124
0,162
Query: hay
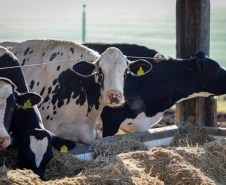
193,164
123,144
191,139
64,164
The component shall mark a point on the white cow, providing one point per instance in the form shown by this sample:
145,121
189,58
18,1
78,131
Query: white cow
76,84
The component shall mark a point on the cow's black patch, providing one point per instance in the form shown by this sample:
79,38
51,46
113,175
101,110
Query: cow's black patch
49,90
58,53
72,50
51,119
52,56
26,51
54,112
58,68
43,108
43,54
38,83
46,99
32,84
54,82
48,107
31,52
61,54
81,55
27,59
47,117
42,91
60,103
54,107
24,60
70,84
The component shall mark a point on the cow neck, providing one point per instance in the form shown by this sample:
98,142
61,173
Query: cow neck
22,119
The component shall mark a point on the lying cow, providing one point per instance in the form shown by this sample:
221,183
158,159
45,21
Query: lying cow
169,82
34,143
74,91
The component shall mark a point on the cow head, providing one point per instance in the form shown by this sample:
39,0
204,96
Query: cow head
9,99
111,68
211,76
35,149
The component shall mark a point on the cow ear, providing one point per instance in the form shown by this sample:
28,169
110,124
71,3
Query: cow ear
84,68
58,142
200,55
140,67
29,98
201,65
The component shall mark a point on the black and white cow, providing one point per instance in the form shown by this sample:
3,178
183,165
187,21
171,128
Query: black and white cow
74,91
33,141
169,82
9,99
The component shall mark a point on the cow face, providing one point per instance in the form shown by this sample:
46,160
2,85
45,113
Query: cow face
211,76
110,70
9,99
7,104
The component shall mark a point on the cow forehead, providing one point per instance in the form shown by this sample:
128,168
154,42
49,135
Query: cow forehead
112,57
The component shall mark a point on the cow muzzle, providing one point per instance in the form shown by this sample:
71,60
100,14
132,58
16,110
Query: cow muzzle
114,98
4,141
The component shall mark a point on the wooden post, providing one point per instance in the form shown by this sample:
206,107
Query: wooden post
193,34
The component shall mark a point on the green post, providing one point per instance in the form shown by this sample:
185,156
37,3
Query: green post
84,24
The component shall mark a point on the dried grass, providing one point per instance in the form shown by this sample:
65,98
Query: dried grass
191,139
121,144
191,164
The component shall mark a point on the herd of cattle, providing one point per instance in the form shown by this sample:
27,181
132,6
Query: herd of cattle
77,86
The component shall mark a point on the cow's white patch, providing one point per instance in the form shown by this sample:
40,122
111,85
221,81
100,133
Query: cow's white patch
39,148
201,94
5,92
141,123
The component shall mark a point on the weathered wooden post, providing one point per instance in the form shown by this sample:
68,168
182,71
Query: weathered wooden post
193,34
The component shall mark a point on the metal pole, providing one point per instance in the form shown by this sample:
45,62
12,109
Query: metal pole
84,24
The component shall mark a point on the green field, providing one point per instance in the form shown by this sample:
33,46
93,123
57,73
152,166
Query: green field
156,33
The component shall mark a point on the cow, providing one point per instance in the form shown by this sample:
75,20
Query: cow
33,141
170,81
76,83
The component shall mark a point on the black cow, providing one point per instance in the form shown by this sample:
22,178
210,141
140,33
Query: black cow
33,141
170,81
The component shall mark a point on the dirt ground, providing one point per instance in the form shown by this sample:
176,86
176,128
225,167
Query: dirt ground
168,120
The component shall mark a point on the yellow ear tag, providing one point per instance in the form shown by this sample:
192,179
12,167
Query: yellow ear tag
140,72
27,104
64,148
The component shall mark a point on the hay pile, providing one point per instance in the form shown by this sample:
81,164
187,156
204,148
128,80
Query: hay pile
192,139
118,145
193,164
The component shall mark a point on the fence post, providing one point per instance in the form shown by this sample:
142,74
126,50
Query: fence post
193,34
